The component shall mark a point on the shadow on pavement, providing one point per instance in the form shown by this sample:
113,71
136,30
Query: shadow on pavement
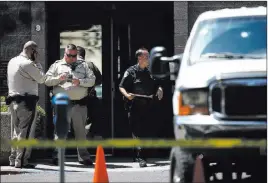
158,163
3,172
111,166
48,169
109,162
117,166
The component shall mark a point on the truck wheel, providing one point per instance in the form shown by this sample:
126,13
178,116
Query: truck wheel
182,167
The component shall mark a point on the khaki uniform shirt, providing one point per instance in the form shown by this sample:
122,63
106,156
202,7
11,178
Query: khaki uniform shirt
81,72
23,76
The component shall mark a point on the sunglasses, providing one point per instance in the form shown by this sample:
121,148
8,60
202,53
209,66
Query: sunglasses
34,51
69,55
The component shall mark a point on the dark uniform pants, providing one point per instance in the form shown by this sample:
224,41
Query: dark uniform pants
141,120
23,118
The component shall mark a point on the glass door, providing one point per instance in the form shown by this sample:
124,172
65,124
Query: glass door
91,40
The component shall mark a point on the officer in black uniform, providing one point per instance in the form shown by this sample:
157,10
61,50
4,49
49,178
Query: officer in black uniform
139,90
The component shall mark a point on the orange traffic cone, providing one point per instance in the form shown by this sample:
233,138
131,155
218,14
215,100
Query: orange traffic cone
100,174
198,176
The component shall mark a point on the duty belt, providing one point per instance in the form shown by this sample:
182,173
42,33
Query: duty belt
82,101
21,98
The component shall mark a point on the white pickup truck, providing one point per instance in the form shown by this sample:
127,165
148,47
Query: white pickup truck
220,92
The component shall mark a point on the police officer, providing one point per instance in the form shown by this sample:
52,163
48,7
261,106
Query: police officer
94,105
138,80
73,77
23,74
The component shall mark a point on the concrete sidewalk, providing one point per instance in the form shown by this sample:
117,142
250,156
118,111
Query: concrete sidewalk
71,165
119,170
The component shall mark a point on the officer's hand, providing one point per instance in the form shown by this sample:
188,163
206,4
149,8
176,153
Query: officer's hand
160,93
38,65
76,82
130,96
63,77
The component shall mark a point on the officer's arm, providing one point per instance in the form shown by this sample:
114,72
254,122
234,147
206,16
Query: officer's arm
52,79
89,81
126,83
34,70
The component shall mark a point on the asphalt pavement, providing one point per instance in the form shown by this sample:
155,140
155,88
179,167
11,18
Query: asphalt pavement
119,170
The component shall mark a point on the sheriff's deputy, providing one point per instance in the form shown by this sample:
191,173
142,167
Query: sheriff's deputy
73,77
24,73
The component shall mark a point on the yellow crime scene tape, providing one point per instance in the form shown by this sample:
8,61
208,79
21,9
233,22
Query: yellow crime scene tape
152,143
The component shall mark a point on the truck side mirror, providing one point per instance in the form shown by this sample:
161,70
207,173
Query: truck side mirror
160,65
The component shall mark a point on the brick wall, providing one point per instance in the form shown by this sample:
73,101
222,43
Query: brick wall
180,25
18,21
195,8
38,12
15,30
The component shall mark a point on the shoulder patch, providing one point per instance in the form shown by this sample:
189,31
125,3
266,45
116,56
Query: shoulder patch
126,74
90,64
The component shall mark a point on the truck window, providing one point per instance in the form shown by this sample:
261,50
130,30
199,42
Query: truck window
234,35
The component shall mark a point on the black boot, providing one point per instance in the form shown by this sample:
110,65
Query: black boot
140,158
55,161
142,163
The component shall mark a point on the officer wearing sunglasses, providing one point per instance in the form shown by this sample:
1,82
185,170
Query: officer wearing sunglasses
73,77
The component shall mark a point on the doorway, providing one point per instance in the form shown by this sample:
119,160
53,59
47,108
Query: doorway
111,33
88,26
136,25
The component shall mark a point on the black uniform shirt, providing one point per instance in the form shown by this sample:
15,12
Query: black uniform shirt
138,81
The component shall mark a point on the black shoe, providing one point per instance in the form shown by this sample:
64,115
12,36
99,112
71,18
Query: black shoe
139,159
12,163
142,163
29,166
55,161
87,162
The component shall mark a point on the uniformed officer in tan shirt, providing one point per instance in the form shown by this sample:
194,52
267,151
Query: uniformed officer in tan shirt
73,77
23,75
